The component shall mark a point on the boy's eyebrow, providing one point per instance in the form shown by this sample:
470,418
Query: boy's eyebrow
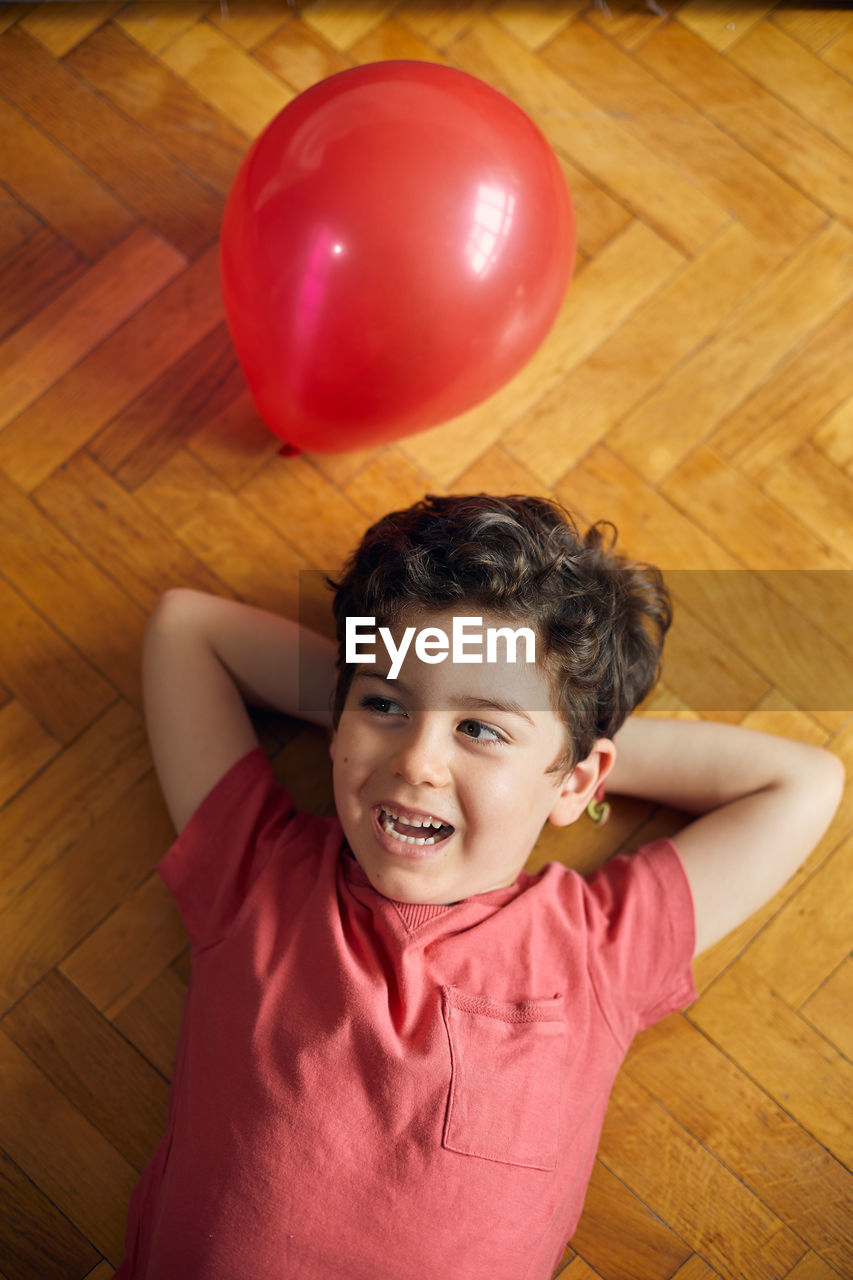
472,701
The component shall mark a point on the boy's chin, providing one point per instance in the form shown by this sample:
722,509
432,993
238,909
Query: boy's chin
412,895
402,888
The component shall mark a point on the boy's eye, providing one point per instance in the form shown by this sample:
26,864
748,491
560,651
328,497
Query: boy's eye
476,729
382,706
473,729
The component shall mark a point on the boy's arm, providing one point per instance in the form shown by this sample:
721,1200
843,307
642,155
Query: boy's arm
203,659
765,803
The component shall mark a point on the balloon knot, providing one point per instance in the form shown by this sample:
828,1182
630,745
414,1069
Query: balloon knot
289,451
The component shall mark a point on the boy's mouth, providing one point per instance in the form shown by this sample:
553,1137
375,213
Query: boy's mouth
423,831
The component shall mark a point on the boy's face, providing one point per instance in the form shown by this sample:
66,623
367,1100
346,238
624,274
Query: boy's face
428,744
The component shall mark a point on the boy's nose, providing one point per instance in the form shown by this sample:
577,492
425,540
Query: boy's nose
421,757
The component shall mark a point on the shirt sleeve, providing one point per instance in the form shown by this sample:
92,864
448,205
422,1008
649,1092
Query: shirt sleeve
219,854
641,925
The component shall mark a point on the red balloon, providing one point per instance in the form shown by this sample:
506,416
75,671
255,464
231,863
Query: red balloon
396,245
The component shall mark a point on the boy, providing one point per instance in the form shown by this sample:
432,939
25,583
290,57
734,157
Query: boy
398,1046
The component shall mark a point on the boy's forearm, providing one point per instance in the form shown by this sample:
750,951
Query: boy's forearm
275,663
697,766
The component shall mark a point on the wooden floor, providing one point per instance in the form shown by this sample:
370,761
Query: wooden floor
697,389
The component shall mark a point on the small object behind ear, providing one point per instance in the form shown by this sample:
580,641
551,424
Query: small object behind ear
598,809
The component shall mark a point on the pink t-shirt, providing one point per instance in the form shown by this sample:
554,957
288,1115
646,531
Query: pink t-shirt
380,1091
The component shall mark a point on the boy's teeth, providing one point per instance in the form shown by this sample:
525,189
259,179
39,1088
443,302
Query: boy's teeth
415,822
387,819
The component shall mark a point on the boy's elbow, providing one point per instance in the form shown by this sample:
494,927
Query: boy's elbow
174,605
836,776
173,598
824,782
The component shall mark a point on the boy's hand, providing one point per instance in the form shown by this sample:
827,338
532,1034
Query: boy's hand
203,658
765,803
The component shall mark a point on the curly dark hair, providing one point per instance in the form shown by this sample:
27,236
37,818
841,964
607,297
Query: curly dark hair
600,618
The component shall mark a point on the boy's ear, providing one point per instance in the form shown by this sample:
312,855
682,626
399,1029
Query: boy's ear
580,785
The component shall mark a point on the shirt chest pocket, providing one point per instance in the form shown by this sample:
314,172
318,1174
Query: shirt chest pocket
507,1065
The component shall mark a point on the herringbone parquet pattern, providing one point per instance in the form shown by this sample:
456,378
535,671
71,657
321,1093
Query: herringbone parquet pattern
697,389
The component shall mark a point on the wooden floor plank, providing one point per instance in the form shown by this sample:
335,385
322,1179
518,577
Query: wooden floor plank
155,25
625,23
142,87
235,543
650,527
391,39
17,224
747,1019
71,1161
839,54
122,367
598,216
60,189
252,21
41,268
813,89
50,678
637,356
808,482
386,483
25,748
341,25
729,682
65,1037
756,118
119,533
731,507
440,25
118,152
695,1268
834,436
620,1235
67,897
535,24
59,27
813,27
299,57
698,1196
232,441
189,391
823,907
59,579
830,1008
77,788
812,1267
722,25
290,497
116,963
53,342
11,13
35,1238
243,91
786,410
744,351
773,1155
763,203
